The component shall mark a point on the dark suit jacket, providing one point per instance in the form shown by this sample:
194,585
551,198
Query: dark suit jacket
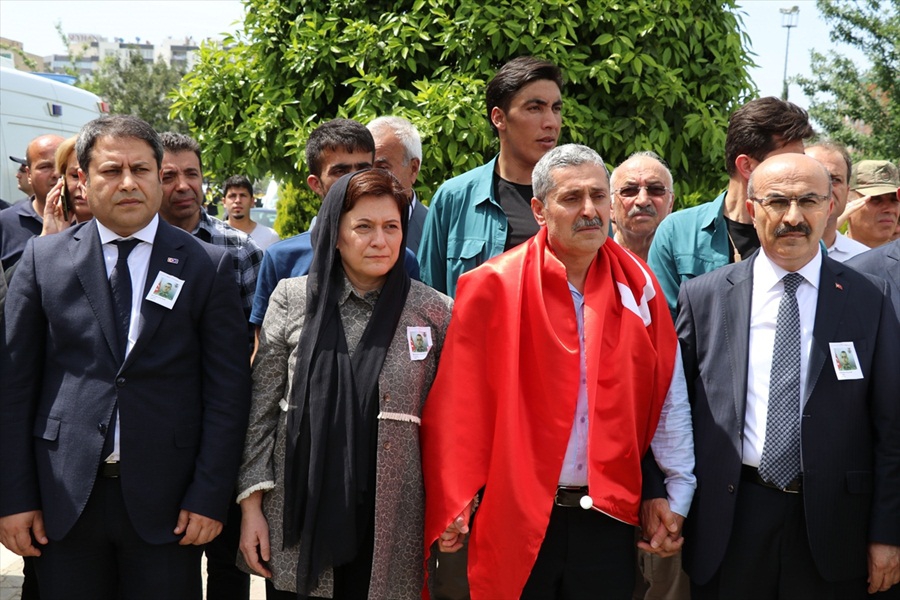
850,440
182,392
884,262
18,224
416,223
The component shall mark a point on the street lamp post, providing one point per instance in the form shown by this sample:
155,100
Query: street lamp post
789,19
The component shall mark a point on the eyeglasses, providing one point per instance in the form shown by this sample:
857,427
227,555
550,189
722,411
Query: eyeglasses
630,191
780,204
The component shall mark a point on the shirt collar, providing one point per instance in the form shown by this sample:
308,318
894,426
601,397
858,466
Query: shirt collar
767,274
412,204
147,234
348,292
716,211
204,223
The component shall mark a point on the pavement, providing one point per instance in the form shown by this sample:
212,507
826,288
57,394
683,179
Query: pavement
11,578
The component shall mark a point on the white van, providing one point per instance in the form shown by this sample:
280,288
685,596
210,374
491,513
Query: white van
30,106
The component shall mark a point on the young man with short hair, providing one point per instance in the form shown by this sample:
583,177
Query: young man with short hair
238,200
487,210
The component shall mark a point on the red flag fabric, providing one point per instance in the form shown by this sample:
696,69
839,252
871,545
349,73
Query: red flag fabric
501,409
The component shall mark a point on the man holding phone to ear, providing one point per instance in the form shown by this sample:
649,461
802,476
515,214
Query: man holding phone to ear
24,221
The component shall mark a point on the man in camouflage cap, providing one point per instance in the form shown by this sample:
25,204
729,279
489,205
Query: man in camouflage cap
874,184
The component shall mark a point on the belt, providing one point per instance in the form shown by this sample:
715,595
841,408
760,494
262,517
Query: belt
573,497
752,475
110,470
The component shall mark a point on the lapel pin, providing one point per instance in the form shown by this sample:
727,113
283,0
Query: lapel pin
839,286
174,261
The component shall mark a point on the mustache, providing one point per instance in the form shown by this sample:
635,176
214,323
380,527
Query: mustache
785,229
581,223
648,210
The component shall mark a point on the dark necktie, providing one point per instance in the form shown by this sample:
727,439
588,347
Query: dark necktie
780,461
120,284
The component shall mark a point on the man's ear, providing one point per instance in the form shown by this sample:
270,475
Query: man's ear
498,118
537,208
751,210
415,164
745,165
82,177
315,184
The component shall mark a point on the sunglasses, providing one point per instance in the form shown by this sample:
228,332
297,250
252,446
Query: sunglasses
630,191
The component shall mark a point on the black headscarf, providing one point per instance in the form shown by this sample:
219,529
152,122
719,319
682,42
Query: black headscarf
331,431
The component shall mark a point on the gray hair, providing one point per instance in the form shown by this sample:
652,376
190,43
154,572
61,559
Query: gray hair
405,131
641,154
567,155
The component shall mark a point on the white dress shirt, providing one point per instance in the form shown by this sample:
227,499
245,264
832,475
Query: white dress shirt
138,264
844,248
672,444
765,299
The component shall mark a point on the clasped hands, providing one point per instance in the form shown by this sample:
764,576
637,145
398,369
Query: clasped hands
661,528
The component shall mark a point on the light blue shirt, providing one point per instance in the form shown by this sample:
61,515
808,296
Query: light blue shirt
673,442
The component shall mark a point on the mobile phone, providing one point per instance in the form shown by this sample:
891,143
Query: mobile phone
64,198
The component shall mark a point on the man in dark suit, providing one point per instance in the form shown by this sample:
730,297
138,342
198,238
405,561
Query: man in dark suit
398,148
782,512
883,261
121,419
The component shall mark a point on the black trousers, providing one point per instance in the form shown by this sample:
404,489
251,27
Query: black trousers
103,557
585,555
224,581
768,554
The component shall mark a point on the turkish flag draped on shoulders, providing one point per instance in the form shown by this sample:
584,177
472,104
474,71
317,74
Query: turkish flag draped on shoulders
501,409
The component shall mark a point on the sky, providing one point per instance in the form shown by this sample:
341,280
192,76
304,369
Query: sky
32,23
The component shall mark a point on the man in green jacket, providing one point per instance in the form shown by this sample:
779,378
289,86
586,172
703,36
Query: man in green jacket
487,210
703,238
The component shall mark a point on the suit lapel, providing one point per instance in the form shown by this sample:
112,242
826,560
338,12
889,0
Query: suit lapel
166,246
736,325
829,307
90,268
892,264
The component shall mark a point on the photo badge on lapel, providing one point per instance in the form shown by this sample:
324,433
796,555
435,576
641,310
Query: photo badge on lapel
165,290
845,360
420,342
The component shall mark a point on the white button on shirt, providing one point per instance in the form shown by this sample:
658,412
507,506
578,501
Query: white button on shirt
673,442
765,299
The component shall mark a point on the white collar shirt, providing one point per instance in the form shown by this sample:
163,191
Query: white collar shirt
768,289
138,265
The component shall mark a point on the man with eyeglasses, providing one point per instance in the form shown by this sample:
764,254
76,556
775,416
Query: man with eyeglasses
703,238
22,176
21,181
642,197
796,458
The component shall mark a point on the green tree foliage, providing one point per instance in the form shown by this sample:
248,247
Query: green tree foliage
859,108
641,74
138,88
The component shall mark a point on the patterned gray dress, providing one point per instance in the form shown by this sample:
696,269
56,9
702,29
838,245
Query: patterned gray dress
397,566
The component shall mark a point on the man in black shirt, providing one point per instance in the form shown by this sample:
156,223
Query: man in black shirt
487,210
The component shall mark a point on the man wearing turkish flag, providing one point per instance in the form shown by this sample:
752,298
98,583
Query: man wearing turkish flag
547,430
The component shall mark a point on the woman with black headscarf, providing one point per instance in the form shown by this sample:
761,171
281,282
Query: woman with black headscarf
331,482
